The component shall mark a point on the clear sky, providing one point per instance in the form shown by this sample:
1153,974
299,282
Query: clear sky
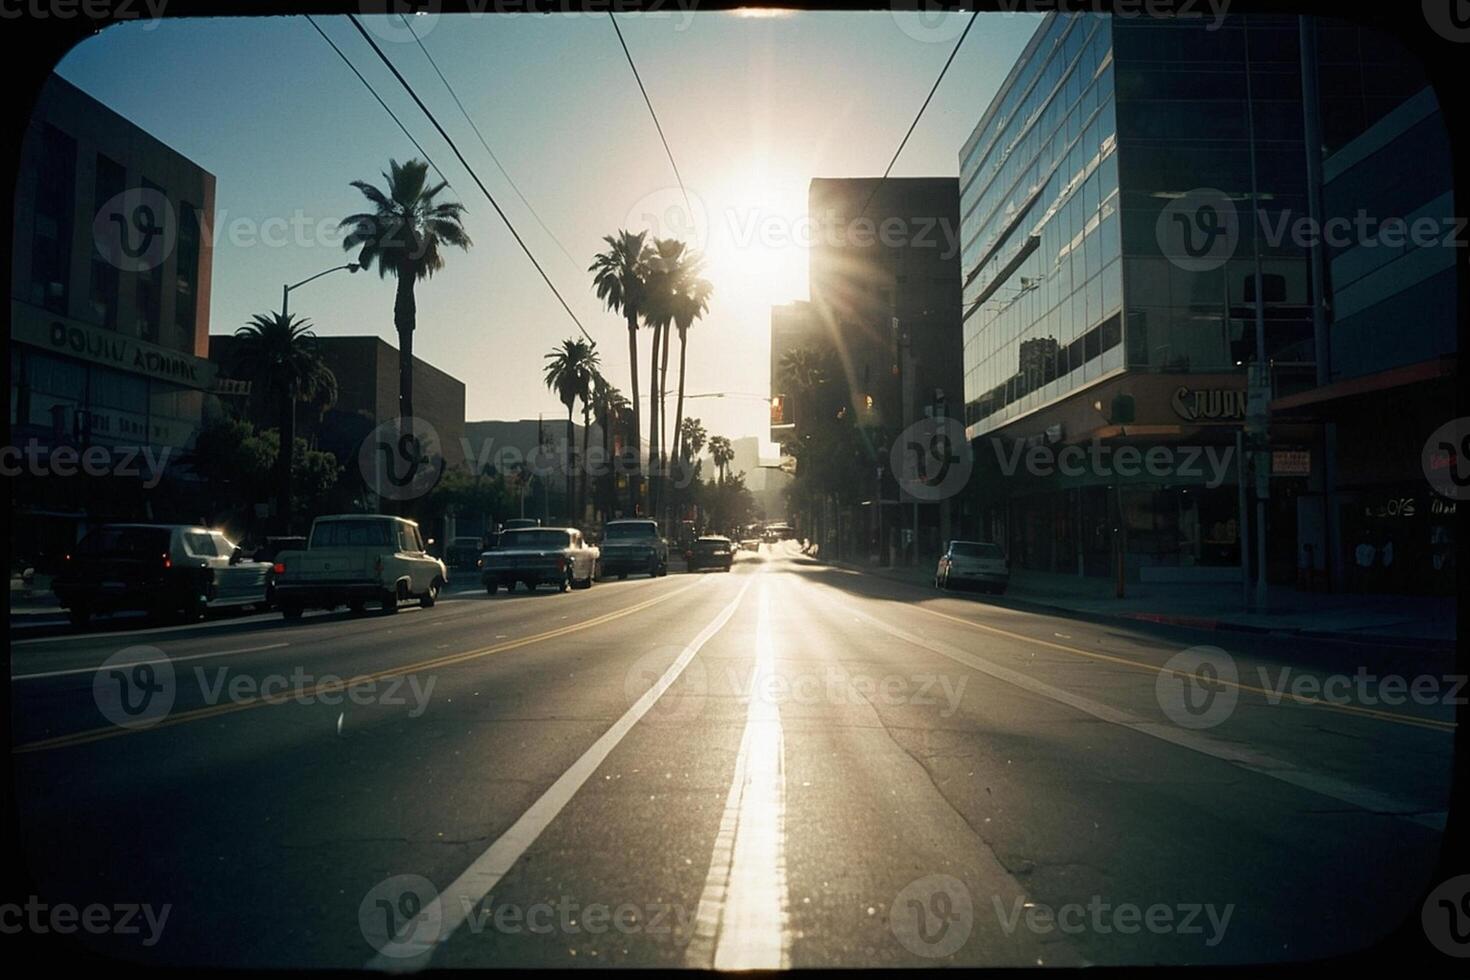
753,107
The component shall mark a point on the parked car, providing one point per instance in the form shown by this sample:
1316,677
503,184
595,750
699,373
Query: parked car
634,545
534,556
463,552
978,563
166,570
353,559
710,551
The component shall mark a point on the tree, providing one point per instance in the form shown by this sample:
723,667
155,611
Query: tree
691,438
611,410
404,236
569,373
620,276
690,303
722,453
278,353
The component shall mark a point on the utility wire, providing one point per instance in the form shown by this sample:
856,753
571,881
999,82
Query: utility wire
649,102
496,160
904,142
471,170
369,87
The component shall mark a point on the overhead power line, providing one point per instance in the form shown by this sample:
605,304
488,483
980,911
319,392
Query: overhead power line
471,170
369,87
904,142
649,102
496,160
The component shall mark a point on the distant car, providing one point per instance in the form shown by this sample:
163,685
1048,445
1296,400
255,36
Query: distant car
634,545
166,570
463,552
353,559
534,556
978,563
710,551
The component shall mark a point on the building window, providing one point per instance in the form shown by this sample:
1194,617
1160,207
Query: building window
188,272
149,304
55,204
111,180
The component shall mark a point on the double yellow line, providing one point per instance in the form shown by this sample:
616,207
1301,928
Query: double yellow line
333,687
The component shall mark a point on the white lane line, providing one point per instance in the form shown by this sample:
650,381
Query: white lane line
157,660
1326,784
741,922
411,952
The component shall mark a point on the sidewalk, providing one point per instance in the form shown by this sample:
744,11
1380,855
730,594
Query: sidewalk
1392,620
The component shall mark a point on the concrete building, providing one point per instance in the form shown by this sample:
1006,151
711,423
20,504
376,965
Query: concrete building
884,316
366,369
110,267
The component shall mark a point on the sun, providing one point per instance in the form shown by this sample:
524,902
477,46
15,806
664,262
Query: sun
757,242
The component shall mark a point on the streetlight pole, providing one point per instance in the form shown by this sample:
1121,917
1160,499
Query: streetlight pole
286,289
288,425
1258,410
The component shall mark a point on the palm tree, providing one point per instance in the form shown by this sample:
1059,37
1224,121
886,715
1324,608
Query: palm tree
691,438
403,235
665,270
620,276
569,374
722,453
278,353
610,409
591,379
690,303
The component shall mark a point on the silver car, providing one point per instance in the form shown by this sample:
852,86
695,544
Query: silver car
978,563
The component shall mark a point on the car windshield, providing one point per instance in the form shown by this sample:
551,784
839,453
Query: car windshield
124,542
533,538
352,534
975,549
638,530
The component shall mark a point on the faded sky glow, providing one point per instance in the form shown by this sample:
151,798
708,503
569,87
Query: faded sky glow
753,106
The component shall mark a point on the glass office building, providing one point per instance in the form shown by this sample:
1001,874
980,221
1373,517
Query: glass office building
1102,125
1130,190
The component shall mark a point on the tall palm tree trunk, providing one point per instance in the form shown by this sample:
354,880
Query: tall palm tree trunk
571,489
653,435
637,416
679,403
405,313
663,414
586,470
287,432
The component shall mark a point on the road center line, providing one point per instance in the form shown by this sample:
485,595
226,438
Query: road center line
1236,754
455,903
334,686
157,660
741,923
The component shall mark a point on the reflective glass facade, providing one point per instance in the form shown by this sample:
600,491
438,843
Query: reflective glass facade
1103,124
1039,197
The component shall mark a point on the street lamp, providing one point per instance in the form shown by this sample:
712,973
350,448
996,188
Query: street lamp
283,499
286,289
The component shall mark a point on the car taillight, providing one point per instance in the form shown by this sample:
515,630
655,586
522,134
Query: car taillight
278,569
167,562
561,564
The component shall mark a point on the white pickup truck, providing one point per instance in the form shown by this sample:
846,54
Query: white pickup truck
353,559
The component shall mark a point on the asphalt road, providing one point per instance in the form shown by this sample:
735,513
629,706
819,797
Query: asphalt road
787,765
